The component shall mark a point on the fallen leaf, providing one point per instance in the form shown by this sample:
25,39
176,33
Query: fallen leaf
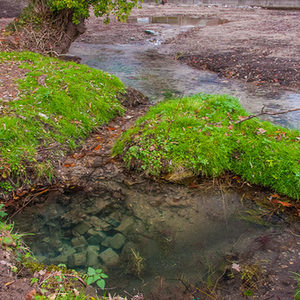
31,295
97,148
69,165
78,156
261,131
237,179
283,203
275,196
286,204
22,193
76,122
236,267
111,128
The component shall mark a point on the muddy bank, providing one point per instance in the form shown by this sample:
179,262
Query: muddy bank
255,45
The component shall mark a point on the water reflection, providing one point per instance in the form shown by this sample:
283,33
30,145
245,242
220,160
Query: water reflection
143,68
178,20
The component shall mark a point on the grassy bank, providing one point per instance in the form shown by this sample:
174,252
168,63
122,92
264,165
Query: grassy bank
59,103
200,135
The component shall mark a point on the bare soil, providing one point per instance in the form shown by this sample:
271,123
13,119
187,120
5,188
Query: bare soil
255,45
11,287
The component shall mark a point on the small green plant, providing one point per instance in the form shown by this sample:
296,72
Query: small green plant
96,276
138,262
3,214
297,294
34,280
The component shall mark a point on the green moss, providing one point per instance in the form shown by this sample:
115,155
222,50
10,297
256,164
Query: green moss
59,103
199,133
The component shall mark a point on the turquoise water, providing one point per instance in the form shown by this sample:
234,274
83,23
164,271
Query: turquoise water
173,232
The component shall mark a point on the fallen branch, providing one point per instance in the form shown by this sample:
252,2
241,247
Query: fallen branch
77,277
270,113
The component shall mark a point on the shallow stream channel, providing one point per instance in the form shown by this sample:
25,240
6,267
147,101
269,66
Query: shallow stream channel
145,234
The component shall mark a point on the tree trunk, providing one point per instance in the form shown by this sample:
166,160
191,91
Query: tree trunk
41,30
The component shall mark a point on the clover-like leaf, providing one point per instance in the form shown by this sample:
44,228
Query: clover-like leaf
104,275
91,271
91,280
101,284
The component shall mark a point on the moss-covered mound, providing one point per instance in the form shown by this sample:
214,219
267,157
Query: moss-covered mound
200,134
58,104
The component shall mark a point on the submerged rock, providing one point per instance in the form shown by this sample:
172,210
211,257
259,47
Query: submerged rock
92,256
113,219
117,241
98,206
82,228
109,257
127,250
151,32
99,224
126,225
79,242
106,242
95,237
79,259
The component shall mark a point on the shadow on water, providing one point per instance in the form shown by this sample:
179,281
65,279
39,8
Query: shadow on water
139,233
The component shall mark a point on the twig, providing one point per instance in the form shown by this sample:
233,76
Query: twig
66,275
270,113
77,277
203,292
30,200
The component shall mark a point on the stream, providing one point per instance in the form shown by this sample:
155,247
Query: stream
145,233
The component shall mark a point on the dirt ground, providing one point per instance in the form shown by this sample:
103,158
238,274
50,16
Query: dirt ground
11,287
255,45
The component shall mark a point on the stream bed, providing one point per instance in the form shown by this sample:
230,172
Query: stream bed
145,233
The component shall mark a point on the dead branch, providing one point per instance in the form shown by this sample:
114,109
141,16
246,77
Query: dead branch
77,277
269,113
66,275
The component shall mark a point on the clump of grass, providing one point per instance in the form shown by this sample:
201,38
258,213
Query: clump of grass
59,104
199,134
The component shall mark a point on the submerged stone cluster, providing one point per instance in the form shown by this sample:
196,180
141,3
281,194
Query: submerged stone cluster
97,239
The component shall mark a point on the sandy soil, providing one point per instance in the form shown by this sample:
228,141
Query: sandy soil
255,45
